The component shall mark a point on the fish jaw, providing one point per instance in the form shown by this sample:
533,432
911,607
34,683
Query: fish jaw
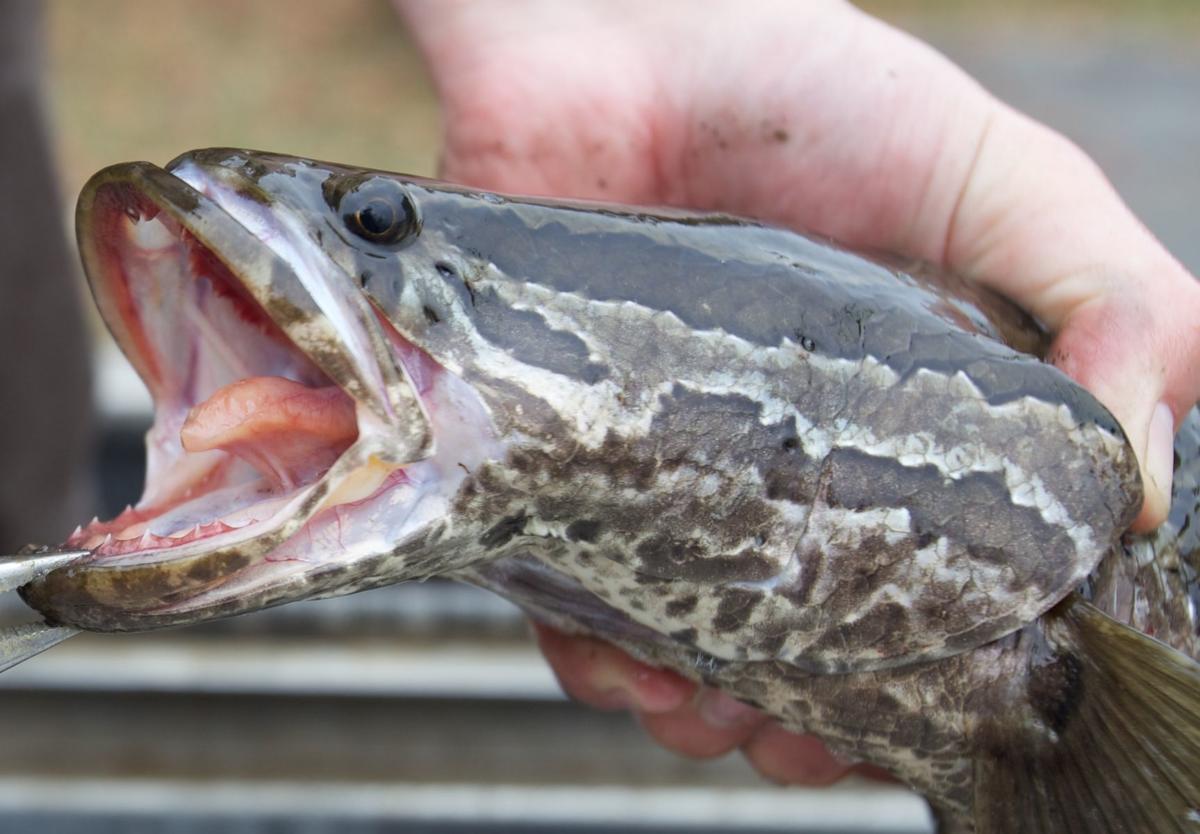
242,508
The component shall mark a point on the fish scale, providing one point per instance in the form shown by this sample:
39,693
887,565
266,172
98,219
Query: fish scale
840,492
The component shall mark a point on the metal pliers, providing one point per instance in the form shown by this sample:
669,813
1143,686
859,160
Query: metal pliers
22,642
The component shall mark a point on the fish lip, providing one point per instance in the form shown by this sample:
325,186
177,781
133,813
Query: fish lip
375,381
184,583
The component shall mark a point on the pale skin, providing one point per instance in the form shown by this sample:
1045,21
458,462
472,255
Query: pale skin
818,117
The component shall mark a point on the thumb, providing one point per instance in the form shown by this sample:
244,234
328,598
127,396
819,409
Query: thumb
1116,348
1150,427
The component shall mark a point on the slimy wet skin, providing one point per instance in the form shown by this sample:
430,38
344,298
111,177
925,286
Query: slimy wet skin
850,495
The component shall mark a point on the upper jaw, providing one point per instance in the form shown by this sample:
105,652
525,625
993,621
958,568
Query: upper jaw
270,258
159,252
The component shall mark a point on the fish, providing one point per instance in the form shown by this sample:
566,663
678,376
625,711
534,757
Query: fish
846,490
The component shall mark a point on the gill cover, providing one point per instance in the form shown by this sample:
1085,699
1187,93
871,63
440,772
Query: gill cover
138,222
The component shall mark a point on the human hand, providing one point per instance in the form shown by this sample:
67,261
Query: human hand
695,721
818,117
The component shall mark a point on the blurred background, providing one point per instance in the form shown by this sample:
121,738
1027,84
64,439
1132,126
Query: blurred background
426,708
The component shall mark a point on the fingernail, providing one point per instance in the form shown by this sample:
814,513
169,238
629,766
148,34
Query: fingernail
659,690
610,690
1159,458
722,711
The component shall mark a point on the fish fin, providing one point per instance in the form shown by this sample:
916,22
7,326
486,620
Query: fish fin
1114,746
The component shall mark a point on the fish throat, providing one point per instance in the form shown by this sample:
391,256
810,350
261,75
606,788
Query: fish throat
287,423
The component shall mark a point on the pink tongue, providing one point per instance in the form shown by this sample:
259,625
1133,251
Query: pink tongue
287,431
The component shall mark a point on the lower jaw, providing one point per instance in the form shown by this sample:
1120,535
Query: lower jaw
241,456
209,577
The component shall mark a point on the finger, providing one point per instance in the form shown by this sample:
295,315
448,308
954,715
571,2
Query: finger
1077,258
869,771
1139,357
603,676
793,759
709,725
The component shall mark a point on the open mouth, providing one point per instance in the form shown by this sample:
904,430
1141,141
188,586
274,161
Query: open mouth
244,420
277,408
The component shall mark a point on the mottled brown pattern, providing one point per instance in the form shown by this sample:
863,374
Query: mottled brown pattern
117,599
739,453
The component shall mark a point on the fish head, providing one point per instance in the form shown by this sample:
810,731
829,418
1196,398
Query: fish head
303,443
742,438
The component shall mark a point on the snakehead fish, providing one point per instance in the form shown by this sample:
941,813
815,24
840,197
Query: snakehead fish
850,495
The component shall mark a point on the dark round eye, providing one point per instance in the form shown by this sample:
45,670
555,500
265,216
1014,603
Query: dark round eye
380,211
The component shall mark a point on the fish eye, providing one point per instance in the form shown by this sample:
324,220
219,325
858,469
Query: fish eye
380,211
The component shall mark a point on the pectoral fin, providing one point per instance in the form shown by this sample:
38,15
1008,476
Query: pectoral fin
1114,741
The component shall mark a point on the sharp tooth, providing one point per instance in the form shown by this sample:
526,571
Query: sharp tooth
78,531
188,535
148,540
131,532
